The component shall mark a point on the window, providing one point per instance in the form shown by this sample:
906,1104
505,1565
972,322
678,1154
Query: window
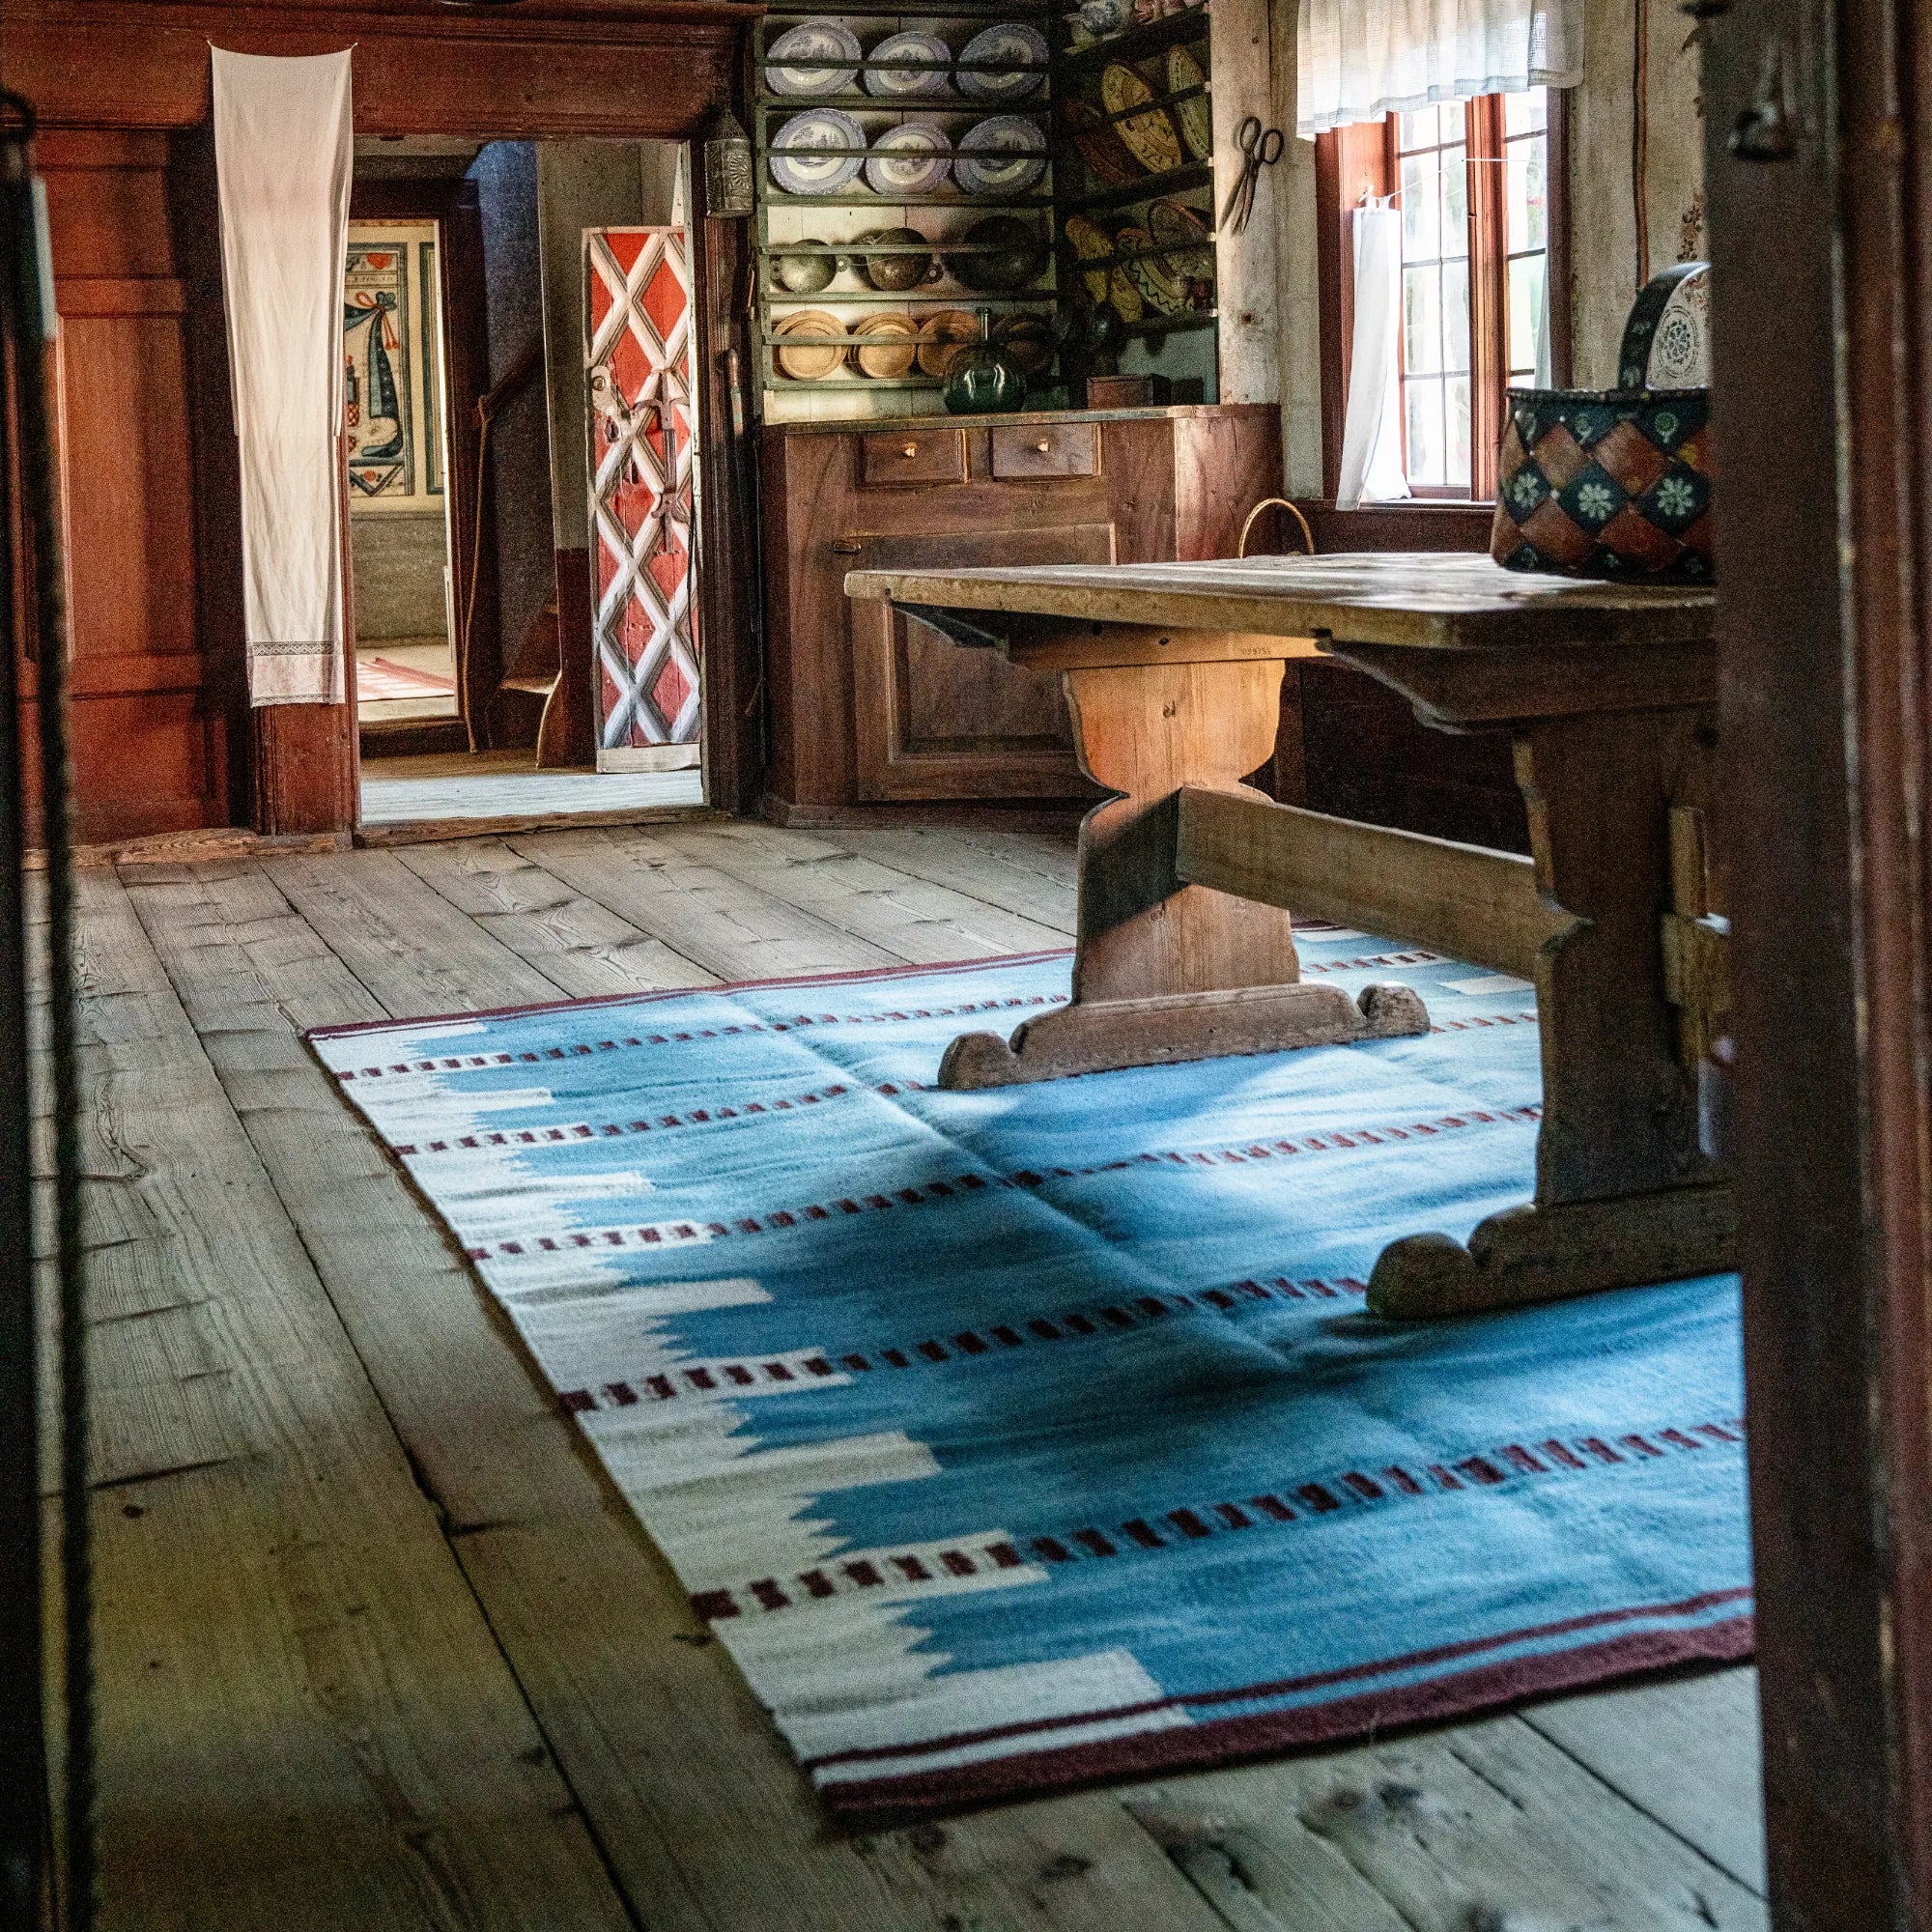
1525,185
1432,175
1480,229
1472,179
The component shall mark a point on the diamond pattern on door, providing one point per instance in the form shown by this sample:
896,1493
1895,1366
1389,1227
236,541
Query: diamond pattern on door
638,359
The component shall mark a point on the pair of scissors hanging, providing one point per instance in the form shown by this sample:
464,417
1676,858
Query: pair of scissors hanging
1261,148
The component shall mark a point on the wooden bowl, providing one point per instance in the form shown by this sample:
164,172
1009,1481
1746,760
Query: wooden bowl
1029,340
887,344
807,362
942,336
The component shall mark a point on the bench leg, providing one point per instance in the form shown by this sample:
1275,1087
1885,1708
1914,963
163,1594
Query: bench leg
1625,1194
1165,971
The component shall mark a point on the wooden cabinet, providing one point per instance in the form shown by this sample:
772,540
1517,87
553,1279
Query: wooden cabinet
867,706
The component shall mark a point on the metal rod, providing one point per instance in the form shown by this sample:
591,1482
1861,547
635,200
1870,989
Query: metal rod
27,300
23,1777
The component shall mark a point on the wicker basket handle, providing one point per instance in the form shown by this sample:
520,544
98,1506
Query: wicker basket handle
1274,503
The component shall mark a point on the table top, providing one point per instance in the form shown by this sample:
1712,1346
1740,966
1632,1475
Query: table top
1424,598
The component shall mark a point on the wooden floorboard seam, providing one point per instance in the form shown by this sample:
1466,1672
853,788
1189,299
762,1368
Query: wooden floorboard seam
1697,1851
1752,1881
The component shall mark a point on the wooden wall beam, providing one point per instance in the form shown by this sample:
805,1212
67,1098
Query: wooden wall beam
627,71
1460,900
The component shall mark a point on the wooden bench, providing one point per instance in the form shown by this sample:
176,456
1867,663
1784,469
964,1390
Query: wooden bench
1184,945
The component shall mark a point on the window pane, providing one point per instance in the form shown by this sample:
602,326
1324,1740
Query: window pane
1523,111
1455,189
1421,234
1456,314
1425,431
1526,195
1422,321
1456,461
1526,276
1418,129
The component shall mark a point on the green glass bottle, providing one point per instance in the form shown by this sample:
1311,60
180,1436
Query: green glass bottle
983,379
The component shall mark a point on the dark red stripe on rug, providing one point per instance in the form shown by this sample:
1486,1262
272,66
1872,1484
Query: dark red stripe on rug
1224,1741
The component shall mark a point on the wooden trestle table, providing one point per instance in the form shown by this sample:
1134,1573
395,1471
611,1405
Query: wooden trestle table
1184,941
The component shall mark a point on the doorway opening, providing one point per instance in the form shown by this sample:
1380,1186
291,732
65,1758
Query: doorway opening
522,481
397,436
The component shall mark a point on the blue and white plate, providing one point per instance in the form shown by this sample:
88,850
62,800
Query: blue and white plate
799,168
1009,41
914,158
813,41
897,82
1001,155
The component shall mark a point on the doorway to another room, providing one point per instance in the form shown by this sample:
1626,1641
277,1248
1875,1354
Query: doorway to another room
521,483
395,399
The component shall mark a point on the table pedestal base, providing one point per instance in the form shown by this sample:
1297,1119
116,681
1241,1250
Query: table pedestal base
1549,1253
1095,1035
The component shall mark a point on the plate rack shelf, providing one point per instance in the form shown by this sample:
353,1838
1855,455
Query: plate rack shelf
819,279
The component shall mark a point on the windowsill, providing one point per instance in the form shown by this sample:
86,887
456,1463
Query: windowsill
1432,506
1444,524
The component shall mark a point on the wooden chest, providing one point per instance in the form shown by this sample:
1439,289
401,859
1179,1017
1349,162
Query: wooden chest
866,706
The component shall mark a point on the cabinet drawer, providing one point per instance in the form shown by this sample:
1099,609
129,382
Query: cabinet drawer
1047,450
913,456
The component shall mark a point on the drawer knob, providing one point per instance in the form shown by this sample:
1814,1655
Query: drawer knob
1045,446
911,449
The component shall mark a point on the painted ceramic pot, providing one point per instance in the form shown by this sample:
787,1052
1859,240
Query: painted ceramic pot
1611,483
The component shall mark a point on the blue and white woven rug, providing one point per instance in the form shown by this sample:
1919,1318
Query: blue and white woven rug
1022,1438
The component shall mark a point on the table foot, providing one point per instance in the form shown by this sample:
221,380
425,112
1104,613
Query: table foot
1097,1035
1531,1253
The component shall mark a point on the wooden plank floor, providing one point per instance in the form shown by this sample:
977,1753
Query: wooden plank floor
380,1647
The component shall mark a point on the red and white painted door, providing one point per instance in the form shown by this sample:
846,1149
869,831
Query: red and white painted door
643,497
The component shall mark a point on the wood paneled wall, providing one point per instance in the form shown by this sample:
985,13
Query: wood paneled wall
152,724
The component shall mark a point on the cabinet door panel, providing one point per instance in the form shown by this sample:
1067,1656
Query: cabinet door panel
933,718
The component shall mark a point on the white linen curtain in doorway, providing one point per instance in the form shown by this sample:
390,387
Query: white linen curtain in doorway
1372,465
1358,60
283,154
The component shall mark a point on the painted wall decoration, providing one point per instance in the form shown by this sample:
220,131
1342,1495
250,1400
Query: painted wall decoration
391,312
642,427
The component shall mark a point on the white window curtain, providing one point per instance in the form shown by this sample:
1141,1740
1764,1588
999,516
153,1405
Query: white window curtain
283,153
1371,466
1358,60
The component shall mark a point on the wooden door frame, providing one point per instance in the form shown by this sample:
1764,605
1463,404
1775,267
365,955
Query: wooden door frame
1824,568
453,204
303,766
